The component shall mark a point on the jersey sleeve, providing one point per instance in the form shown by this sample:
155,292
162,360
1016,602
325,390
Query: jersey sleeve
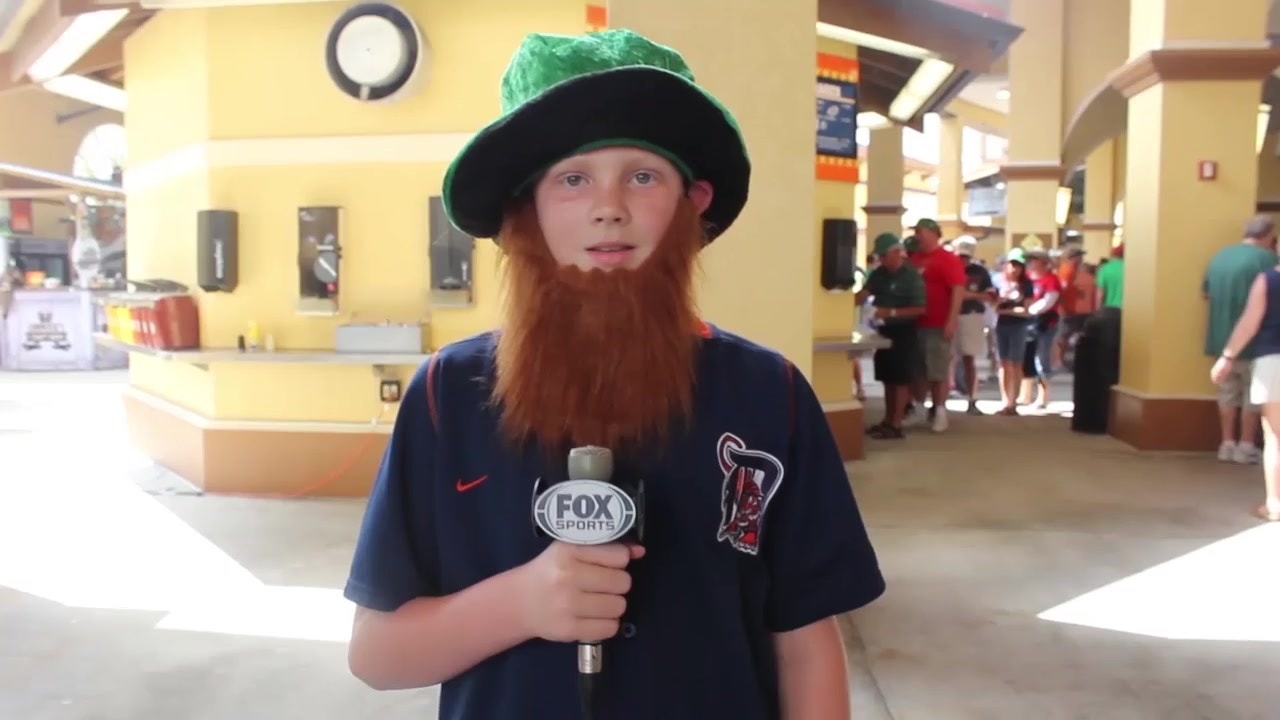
821,561
395,555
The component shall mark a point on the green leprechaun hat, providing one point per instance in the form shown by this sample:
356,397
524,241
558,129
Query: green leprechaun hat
563,95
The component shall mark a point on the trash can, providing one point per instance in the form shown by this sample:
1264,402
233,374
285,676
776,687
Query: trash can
1097,370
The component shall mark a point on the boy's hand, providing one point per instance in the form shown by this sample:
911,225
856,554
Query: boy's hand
574,593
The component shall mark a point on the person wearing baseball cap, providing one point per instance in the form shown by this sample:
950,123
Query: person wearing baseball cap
944,281
897,297
971,325
1012,325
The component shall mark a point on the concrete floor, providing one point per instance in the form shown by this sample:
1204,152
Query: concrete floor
1033,574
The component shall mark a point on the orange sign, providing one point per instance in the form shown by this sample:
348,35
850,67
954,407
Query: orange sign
597,18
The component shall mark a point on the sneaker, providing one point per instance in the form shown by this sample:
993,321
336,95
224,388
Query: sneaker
940,420
1227,451
1246,454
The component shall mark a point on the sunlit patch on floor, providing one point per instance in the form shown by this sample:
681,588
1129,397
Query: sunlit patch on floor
1228,590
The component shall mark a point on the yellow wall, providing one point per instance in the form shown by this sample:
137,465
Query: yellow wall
1095,43
1168,246
30,135
209,64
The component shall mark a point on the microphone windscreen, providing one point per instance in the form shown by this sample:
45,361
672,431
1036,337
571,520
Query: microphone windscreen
590,463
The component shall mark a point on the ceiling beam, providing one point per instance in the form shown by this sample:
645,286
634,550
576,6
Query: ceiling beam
49,22
882,20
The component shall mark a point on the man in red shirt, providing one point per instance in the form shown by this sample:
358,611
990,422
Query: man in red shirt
944,283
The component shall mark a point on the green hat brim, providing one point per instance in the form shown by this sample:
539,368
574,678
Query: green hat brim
635,105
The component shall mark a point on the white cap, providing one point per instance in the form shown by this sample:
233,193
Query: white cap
965,245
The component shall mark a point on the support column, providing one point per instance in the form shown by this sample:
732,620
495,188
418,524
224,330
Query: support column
1099,202
1034,170
886,167
1199,68
771,94
308,420
951,176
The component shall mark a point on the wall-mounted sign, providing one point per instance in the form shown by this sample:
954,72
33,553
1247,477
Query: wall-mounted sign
837,118
597,18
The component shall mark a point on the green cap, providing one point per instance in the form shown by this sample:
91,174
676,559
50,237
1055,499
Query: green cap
1017,255
886,242
912,244
928,224
563,95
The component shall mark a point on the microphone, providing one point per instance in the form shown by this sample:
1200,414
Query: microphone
589,508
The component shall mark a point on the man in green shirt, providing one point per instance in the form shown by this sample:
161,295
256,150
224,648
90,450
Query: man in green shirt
1110,280
897,296
1226,284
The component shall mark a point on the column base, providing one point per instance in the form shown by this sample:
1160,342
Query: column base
845,419
269,459
1163,423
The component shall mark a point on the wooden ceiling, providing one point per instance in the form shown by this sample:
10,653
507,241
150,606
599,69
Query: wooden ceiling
970,41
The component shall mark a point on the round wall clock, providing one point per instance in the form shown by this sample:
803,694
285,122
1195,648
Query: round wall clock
374,51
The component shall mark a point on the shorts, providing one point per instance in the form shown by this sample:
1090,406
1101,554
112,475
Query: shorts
1011,342
1261,378
935,355
897,364
1235,390
971,335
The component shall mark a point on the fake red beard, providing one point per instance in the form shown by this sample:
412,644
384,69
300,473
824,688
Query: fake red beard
597,358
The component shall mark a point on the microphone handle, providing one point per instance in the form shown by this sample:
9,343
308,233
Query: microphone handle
590,662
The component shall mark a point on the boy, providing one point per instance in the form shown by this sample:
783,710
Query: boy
608,172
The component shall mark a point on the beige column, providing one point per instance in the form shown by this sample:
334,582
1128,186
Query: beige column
951,176
1193,85
1035,121
886,167
769,249
1099,201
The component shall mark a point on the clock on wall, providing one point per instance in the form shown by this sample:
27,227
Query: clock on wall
375,52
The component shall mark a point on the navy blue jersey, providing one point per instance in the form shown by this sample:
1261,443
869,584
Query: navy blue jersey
751,529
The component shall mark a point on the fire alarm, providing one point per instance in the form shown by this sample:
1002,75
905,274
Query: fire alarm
1208,170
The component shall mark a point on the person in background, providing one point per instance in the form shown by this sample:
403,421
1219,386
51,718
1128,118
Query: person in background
1011,327
1227,281
1110,280
863,317
897,293
971,335
1077,299
944,282
1045,314
1259,329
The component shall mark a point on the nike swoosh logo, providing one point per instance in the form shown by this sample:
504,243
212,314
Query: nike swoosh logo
465,486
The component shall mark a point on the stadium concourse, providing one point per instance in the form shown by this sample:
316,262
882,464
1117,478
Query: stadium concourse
1033,573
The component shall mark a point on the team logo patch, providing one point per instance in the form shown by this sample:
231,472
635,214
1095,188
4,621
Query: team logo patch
751,478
